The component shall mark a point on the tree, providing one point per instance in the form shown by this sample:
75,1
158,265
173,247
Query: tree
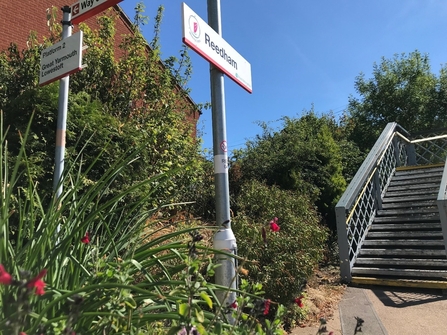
302,157
118,106
403,90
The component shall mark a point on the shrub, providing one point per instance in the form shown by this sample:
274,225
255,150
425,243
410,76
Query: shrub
66,270
284,259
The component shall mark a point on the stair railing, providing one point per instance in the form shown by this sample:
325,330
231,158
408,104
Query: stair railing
357,207
442,204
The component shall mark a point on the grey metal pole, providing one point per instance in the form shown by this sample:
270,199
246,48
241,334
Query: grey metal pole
224,239
62,113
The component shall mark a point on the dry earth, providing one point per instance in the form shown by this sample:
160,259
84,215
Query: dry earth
323,293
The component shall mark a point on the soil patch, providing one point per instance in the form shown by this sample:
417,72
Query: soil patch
324,291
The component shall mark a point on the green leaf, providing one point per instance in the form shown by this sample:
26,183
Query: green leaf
183,309
200,315
207,299
201,329
137,264
218,328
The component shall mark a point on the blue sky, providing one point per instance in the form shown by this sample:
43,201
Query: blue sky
302,52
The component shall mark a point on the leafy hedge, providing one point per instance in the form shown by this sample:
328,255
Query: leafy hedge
280,260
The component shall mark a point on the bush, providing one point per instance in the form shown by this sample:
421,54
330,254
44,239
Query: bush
284,259
67,270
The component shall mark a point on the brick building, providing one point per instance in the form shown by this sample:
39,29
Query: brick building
16,24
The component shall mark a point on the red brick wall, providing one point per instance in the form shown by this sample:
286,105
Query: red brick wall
18,18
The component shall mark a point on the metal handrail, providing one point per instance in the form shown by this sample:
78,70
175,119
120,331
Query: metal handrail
442,204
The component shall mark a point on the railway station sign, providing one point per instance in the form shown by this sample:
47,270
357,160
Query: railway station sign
200,37
61,59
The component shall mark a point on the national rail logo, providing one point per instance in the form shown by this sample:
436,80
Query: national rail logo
194,28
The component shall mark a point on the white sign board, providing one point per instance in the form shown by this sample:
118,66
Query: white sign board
200,37
61,59
84,9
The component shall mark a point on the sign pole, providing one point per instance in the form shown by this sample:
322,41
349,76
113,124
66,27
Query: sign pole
224,239
62,113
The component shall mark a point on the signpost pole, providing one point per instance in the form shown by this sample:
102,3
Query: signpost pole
224,239
62,113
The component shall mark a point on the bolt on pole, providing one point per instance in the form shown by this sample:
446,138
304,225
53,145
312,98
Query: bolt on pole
224,239
62,113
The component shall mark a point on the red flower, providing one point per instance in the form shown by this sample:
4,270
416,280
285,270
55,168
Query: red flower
299,302
274,224
38,283
22,333
234,305
5,277
266,306
274,227
85,239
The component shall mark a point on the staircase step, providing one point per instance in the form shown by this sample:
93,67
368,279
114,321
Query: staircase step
414,170
413,198
431,203
404,234
416,219
405,226
407,211
401,243
429,194
395,272
412,186
420,253
430,179
413,262
417,283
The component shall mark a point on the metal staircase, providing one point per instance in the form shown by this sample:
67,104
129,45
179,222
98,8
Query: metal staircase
392,221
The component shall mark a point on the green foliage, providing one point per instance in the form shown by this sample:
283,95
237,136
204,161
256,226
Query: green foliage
288,257
402,89
125,100
127,276
303,157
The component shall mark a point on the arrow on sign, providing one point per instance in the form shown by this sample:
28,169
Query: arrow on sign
75,9
83,9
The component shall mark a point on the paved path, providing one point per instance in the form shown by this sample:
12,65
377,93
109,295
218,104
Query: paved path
387,311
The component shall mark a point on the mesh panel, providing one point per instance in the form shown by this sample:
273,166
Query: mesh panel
386,167
360,220
431,152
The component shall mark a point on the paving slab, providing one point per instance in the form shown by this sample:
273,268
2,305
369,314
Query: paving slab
357,314
387,311
410,310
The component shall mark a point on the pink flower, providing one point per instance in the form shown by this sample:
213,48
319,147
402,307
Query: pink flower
5,277
22,333
85,239
38,283
266,306
234,305
274,227
274,224
299,301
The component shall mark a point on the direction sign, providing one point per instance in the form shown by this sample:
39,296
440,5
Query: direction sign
200,37
61,59
84,9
